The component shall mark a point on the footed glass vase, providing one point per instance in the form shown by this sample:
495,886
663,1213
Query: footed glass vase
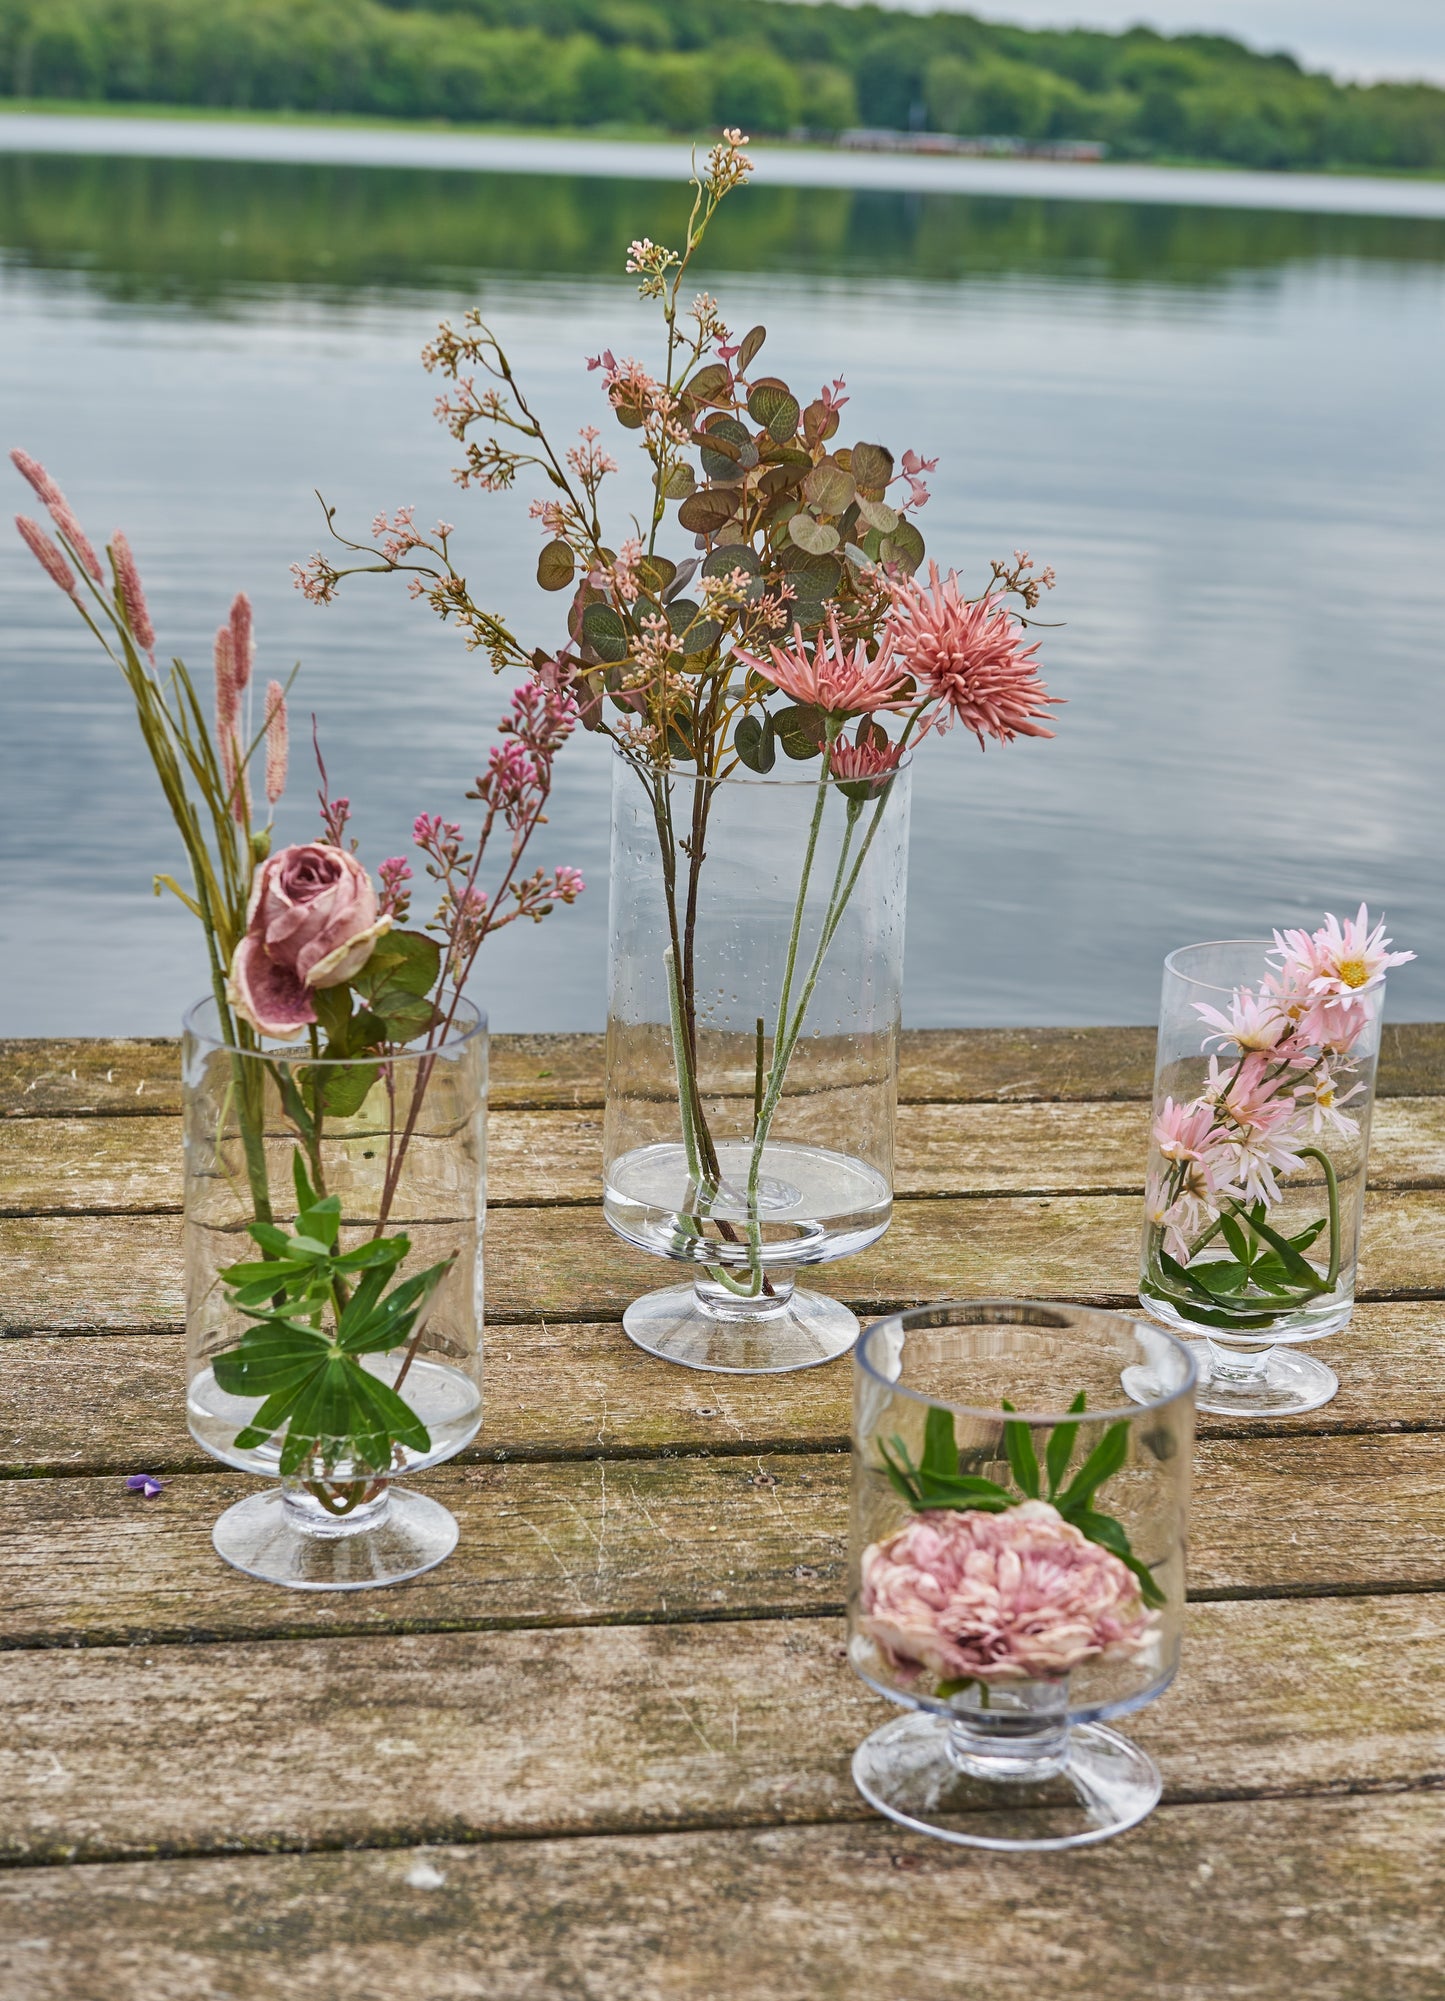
756,968
333,1254
1016,1569
1256,1183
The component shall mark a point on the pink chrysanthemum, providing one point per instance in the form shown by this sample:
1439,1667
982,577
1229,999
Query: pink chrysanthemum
132,596
840,682
969,657
1006,1597
869,759
1338,959
46,552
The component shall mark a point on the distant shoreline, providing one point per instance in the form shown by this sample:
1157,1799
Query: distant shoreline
183,132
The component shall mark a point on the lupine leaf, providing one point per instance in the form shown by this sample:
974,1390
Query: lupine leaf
1110,1535
1101,1465
1060,1448
1023,1461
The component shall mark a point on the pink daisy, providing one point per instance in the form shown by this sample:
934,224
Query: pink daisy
1338,958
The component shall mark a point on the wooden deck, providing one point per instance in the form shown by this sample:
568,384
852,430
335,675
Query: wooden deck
603,1750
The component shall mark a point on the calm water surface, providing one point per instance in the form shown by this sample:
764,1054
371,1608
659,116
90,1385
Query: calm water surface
1224,429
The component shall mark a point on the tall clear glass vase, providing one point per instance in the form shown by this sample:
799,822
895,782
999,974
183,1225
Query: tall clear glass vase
756,969
380,1165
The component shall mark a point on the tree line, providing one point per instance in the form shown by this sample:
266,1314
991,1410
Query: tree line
687,65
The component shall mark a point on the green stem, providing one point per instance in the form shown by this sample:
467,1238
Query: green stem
1332,1193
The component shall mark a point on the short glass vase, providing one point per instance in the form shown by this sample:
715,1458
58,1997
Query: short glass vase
1016,1565
756,971
362,1183
1256,1180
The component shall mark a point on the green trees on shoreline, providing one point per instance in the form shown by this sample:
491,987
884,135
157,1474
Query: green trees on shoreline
685,65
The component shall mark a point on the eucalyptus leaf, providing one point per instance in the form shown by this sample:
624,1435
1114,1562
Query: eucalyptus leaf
605,633
872,467
556,566
773,405
828,488
755,744
819,538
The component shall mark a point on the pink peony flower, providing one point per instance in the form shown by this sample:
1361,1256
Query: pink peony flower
312,922
833,679
1012,1596
969,658
1338,959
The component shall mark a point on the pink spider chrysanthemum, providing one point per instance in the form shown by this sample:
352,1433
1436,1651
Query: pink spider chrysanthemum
840,682
864,760
969,658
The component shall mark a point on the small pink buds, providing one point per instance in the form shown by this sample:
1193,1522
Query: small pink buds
243,643
276,741
47,553
127,578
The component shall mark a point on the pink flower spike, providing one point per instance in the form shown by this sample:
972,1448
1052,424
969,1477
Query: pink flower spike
32,470
243,642
969,658
127,576
832,679
276,741
47,553
228,706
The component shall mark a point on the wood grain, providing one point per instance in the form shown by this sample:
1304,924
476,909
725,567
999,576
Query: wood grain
1331,1898
42,1078
115,1166
123,1274
589,1542
105,1755
580,1389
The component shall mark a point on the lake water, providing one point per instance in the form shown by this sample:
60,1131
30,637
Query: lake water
1224,428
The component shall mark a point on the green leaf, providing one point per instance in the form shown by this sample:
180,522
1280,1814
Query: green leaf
732,556
940,1448
819,538
1236,1239
709,385
876,514
409,961
828,488
755,743
748,347
1310,1233
333,1011
904,547
773,405
1023,1461
680,482
872,467
1111,1535
344,1089
800,731
655,573
1300,1270
1060,1448
1220,1276
1101,1465
708,509
605,633
556,566
722,457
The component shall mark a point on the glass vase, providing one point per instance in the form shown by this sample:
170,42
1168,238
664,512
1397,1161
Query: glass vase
1016,1565
756,967
1256,1181
378,1367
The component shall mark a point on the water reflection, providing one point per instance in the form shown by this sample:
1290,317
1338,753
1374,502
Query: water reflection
1219,426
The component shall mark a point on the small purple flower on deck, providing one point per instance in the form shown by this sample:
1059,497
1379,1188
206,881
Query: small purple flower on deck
144,1483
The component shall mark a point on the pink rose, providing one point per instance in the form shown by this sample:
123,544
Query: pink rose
311,922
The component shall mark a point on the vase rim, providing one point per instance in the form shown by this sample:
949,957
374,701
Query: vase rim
979,1310
804,781
470,1024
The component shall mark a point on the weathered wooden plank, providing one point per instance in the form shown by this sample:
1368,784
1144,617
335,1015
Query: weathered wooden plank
115,1402
123,1274
110,1754
117,1166
587,1542
40,1078
1330,1898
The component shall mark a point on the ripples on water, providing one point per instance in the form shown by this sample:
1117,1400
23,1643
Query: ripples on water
1224,429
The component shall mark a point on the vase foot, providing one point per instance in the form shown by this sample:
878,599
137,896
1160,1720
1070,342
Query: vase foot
801,1331
1280,1383
269,1537
1102,1784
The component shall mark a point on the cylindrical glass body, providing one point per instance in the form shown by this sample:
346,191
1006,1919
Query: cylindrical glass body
757,944
1258,1146
402,1145
961,1412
